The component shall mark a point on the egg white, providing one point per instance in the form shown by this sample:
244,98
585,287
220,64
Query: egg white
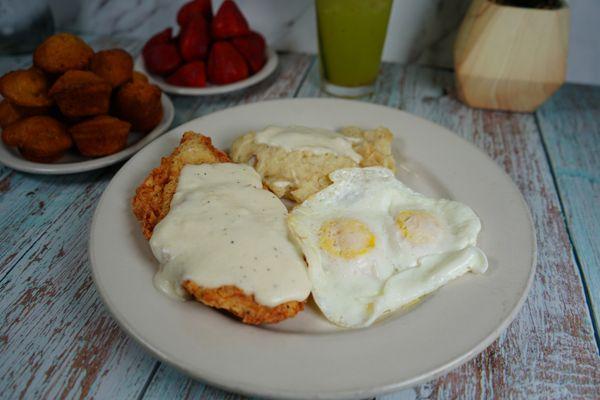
373,245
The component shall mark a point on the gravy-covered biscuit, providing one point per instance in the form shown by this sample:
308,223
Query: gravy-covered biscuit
295,162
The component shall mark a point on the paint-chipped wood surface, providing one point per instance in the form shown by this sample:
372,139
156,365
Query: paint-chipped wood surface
570,127
58,341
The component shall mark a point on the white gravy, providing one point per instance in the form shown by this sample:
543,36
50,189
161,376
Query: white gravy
224,229
315,140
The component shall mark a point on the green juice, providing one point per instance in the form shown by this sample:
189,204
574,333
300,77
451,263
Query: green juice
351,38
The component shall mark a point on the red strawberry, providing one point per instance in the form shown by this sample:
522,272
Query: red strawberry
194,7
161,37
194,39
252,48
226,64
229,22
162,59
190,74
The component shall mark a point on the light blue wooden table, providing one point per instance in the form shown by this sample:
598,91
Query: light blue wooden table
58,341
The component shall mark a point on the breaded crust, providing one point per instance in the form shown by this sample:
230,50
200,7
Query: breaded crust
235,301
152,199
151,204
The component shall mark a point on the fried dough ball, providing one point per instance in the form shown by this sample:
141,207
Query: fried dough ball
10,113
81,94
39,138
139,77
62,52
100,136
114,66
140,104
152,202
27,88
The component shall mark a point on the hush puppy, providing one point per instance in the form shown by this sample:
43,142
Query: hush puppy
62,52
100,136
81,94
139,77
151,203
114,66
28,88
10,113
140,104
39,138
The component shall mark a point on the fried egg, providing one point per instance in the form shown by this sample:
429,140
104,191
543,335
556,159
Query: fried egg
374,245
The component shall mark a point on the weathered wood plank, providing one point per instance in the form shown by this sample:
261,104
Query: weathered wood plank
31,204
56,339
168,383
570,126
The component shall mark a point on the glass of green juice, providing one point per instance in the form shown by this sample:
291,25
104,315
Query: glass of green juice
351,38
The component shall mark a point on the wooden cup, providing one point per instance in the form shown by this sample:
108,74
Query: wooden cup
510,58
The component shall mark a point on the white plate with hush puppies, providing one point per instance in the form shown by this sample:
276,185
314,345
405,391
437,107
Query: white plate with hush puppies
307,356
72,162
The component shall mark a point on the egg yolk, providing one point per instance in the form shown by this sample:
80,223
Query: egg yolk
418,226
346,238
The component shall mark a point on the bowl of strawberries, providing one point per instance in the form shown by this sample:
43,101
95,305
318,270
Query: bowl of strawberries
211,54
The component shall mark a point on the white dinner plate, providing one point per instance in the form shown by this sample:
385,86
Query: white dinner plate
306,356
73,162
266,70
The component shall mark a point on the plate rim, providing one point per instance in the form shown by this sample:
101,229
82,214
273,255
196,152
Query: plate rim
8,159
266,71
257,390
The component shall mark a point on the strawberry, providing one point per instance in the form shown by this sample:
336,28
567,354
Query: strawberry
194,7
252,48
229,22
161,37
190,74
162,59
226,64
194,39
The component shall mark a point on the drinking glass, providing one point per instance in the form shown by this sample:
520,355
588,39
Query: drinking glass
351,38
